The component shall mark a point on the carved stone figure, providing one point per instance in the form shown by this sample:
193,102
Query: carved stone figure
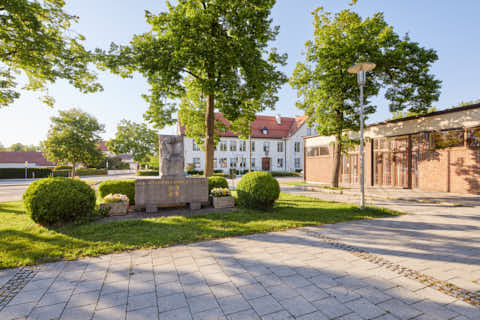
171,162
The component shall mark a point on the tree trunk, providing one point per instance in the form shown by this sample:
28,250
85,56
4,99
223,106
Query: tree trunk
209,135
336,160
73,170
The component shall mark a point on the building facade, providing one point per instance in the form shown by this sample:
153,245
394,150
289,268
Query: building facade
29,159
275,144
437,152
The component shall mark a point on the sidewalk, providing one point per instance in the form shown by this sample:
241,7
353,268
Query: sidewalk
453,199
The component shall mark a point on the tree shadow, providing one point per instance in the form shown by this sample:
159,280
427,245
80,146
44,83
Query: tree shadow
11,207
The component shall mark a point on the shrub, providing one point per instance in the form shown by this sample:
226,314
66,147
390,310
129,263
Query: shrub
220,174
90,172
195,172
62,167
147,173
258,190
59,200
19,173
216,182
126,187
284,174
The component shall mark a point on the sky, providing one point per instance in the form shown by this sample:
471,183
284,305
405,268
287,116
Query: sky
450,27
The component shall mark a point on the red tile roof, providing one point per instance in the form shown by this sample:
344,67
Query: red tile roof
21,157
287,127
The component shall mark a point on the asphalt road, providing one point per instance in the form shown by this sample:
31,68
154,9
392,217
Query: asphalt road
12,190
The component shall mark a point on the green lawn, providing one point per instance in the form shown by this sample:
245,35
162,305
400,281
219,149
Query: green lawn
301,183
22,242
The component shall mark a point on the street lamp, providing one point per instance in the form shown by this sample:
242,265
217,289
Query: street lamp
361,70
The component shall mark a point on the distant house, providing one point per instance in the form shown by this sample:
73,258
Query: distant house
126,157
10,159
275,144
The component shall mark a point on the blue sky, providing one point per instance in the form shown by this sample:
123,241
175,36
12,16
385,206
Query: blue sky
448,26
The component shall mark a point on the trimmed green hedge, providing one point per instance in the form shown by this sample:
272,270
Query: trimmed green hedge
59,200
216,182
19,173
258,190
147,173
126,187
284,174
80,172
220,174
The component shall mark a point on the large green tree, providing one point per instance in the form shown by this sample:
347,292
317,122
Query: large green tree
36,40
73,138
329,95
136,139
212,55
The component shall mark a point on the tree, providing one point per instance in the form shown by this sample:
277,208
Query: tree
18,147
73,138
136,139
36,39
211,54
329,95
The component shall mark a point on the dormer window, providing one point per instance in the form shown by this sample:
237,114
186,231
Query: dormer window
265,131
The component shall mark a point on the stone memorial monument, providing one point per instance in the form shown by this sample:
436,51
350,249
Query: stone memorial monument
171,188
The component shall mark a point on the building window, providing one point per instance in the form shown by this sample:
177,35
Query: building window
223,163
279,146
474,138
297,146
448,139
265,131
318,151
243,146
215,164
280,162
195,147
233,162
253,162
243,162
223,146
252,145
196,163
266,146
297,163
233,145
309,131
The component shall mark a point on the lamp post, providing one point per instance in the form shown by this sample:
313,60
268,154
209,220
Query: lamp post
361,70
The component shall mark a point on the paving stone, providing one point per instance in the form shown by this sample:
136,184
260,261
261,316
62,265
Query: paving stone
296,281
298,306
83,299
117,313
80,313
282,315
343,294
87,286
174,301
233,304
331,307
150,313
265,305
224,290
137,288
243,279
212,314
113,287
141,301
283,271
312,293
28,296
365,308
323,282
111,300
464,309
317,315
54,298
269,280
373,295
435,310
399,309
196,289
202,303
244,315
282,292
253,291
16,311
47,312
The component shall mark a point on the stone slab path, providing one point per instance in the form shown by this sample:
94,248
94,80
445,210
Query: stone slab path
294,274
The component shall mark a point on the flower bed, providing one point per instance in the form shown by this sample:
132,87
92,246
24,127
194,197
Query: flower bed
222,198
115,204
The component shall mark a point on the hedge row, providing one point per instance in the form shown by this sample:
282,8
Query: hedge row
19,173
80,172
284,174
147,173
126,187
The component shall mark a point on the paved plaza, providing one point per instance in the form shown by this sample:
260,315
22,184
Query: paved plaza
385,269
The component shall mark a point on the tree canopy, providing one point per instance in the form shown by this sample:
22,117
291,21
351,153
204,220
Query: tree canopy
136,139
73,138
18,147
212,55
36,40
329,95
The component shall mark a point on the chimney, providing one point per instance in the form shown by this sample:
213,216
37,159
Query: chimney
278,119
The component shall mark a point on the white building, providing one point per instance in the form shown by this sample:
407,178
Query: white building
276,145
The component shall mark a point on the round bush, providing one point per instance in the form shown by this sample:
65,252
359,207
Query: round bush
58,200
216,182
258,190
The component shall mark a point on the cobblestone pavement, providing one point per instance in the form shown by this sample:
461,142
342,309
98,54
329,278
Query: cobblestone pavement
294,274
